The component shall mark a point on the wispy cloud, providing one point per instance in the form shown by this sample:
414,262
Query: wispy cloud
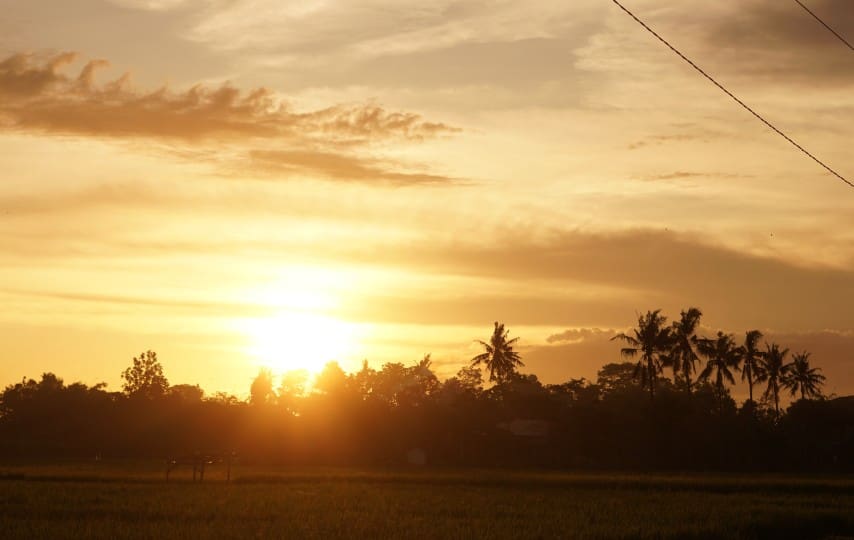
336,166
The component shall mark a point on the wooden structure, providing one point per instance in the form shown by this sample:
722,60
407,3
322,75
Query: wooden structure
199,461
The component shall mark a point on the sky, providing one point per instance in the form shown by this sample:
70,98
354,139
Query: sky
246,183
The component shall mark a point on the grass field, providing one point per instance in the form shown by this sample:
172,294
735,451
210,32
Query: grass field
133,501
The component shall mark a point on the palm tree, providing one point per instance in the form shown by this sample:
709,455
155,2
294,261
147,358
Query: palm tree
774,370
683,356
800,377
498,356
751,358
651,339
723,356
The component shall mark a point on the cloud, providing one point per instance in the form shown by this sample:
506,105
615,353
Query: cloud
378,27
566,278
684,178
579,335
196,307
36,96
151,5
336,166
660,270
686,133
779,40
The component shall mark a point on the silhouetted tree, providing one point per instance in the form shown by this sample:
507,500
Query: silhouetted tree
187,392
370,417
800,377
498,356
615,377
145,377
683,356
722,358
292,388
774,368
261,391
470,379
331,380
751,359
421,382
364,380
652,341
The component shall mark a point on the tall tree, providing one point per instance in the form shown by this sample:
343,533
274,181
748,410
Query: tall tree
292,389
722,359
651,340
499,357
774,369
145,377
751,359
261,391
331,380
683,355
800,377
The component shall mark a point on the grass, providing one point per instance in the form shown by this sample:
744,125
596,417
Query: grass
132,501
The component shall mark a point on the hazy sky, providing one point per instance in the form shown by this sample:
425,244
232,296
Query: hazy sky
236,183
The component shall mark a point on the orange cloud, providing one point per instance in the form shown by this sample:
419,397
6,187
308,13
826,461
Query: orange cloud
36,96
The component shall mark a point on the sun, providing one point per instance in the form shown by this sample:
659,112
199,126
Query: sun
293,340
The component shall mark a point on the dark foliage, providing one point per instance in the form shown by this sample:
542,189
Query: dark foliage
405,414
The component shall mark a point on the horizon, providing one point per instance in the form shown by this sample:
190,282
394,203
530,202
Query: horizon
382,182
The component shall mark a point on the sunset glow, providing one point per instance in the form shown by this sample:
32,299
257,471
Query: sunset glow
294,340
383,180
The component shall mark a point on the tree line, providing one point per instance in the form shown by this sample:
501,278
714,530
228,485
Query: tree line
632,416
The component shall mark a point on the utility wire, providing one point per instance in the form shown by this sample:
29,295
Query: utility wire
730,94
824,24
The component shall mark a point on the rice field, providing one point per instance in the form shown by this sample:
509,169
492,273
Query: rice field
132,500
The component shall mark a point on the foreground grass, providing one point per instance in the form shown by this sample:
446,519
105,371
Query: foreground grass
133,502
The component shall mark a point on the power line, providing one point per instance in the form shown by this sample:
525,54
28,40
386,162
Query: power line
730,94
824,24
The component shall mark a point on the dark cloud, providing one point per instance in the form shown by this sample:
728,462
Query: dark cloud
779,40
659,269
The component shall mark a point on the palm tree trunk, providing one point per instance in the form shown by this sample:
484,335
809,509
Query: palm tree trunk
777,402
750,383
651,368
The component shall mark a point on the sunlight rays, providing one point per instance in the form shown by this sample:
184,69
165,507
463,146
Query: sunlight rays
292,340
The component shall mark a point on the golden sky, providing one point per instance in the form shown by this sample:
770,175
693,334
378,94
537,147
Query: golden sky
236,183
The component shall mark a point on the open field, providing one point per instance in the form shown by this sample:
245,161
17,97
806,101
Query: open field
132,500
